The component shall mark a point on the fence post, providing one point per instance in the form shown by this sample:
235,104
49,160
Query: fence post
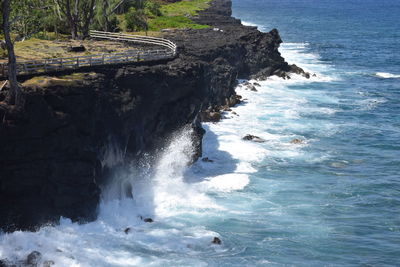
77,62
102,60
90,60
61,63
45,65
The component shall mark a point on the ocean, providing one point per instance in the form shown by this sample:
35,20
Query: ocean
330,199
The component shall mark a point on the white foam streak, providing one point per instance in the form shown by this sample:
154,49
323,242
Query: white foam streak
296,53
386,75
245,23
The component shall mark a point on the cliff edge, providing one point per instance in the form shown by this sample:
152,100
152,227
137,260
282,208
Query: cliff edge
77,126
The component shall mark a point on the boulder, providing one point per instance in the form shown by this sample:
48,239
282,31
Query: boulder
296,141
216,241
75,49
210,116
234,100
295,69
148,220
254,138
127,230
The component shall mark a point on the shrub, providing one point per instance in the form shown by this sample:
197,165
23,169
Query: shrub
136,20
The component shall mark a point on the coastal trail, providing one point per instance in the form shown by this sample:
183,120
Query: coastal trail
155,48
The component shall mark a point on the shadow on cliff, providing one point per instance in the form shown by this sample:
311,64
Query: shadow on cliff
214,162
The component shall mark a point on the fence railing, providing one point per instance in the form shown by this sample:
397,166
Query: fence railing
165,49
134,38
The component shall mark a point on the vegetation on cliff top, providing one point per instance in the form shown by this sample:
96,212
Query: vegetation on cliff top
44,31
40,28
177,15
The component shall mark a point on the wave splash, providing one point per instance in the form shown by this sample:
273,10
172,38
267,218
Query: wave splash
120,237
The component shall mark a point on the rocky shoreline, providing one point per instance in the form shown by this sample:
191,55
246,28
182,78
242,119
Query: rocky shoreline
76,127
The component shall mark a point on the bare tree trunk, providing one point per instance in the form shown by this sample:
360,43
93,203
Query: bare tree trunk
88,19
57,14
73,18
65,6
105,15
16,93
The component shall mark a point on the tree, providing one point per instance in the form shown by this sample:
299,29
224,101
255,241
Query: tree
15,96
106,5
106,11
79,14
136,20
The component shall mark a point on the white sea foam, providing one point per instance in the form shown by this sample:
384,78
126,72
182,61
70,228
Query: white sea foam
161,195
387,75
227,182
370,103
297,53
245,23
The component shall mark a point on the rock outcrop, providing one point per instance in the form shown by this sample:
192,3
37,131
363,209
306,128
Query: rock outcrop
58,150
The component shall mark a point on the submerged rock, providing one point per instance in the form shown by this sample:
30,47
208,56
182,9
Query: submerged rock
216,241
207,160
252,88
48,263
33,258
253,138
4,263
148,220
296,141
127,230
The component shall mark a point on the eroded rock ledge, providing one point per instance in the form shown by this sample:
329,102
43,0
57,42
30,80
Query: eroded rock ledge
53,154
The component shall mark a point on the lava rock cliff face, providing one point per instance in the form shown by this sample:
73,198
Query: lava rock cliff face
53,153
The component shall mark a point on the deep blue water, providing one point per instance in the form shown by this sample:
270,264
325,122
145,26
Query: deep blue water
333,200
346,206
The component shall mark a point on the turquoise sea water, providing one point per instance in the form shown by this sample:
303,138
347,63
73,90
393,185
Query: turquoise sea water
333,200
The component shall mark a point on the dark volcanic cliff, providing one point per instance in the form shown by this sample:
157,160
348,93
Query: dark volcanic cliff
53,153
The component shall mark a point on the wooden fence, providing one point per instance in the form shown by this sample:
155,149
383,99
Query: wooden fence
164,49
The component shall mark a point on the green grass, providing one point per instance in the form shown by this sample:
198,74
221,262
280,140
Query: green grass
184,8
175,22
175,16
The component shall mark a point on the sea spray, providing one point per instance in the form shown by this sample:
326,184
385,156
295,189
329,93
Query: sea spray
158,192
